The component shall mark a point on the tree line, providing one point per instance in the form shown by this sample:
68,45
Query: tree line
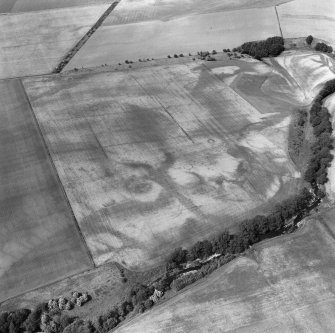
271,47
317,170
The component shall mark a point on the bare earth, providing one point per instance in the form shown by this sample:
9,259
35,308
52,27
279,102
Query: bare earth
158,157
39,241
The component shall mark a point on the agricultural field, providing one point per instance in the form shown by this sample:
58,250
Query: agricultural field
308,17
35,42
17,6
281,285
307,71
39,240
153,158
155,29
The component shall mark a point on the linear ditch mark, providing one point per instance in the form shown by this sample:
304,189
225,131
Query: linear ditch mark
57,175
278,20
163,107
67,58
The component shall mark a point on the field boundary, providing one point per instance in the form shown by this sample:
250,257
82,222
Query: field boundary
67,58
278,20
81,235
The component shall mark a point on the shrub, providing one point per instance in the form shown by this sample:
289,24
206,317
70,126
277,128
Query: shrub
185,280
175,55
309,39
148,304
323,47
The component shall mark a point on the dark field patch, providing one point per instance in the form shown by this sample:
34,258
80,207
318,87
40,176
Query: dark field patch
39,241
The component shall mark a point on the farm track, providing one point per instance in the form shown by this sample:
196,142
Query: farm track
85,38
43,140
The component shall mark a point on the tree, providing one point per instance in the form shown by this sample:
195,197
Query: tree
32,324
220,243
148,304
309,39
178,256
276,49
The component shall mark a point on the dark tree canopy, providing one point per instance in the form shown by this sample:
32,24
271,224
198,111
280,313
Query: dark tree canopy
309,39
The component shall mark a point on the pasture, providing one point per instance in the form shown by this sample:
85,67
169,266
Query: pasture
158,157
155,29
300,18
39,241
282,285
17,6
35,42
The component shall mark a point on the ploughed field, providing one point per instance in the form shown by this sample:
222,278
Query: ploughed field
154,158
39,240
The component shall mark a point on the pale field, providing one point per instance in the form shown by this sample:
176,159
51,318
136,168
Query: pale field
158,157
308,17
285,284
39,241
306,71
16,6
35,42
155,29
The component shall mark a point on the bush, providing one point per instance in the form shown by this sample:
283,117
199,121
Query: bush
309,39
175,55
148,304
185,280
323,47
